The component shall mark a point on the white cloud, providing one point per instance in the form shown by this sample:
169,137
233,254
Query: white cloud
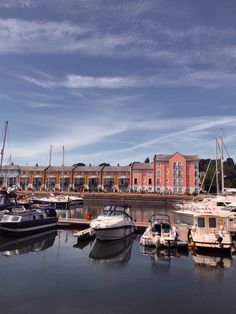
78,81
166,78
17,4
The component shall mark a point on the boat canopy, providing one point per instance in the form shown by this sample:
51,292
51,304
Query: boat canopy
115,208
160,219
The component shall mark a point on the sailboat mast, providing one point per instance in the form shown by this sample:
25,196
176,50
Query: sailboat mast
217,183
50,156
222,161
3,145
63,152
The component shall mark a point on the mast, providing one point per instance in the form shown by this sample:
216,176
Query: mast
221,144
62,179
217,183
50,156
3,145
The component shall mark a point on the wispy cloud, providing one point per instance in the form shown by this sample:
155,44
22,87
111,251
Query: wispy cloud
17,4
166,78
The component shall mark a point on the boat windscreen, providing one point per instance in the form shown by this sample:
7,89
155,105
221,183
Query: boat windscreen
9,218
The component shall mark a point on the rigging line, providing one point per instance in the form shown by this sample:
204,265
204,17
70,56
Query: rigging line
226,150
211,182
203,180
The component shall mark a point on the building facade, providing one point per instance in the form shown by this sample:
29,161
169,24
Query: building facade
176,174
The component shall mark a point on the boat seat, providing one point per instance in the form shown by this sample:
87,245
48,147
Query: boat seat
166,228
156,229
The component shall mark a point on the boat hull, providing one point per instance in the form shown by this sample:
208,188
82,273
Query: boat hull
27,228
116,233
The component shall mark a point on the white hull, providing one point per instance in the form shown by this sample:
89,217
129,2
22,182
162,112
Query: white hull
114,233
152,239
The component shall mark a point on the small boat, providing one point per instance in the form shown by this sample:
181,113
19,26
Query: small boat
28,221
160,232
58,201
84,234
114,222
211,231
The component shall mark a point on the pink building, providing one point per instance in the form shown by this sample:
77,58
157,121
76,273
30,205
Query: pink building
176,173
141,177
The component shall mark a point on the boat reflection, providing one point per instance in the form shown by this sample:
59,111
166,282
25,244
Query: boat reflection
206,261
82,243
162,256
24,245
117,251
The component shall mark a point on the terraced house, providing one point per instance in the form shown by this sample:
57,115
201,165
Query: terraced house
175,174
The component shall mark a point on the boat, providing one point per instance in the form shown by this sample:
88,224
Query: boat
160,232
31,243
29,221
210,230
113,223
84,234
8,199
59,201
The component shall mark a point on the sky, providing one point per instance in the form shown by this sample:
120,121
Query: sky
116,81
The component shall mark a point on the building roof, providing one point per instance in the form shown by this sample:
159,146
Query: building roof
163,157
142,166
116,168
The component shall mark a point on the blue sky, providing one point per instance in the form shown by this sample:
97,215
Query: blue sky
116,81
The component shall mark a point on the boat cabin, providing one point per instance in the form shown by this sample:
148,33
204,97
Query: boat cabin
211,222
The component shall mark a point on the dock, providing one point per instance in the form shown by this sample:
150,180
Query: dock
84,223
79,223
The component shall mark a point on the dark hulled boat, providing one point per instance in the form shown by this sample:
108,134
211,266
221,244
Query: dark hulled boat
26,222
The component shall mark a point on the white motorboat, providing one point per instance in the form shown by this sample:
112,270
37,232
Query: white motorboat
210,230
159,233
113,223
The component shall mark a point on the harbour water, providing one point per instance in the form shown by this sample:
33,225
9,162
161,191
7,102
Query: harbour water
53,273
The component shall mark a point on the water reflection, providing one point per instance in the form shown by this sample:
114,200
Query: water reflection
118,251
139,212
162,256
211,261
33,243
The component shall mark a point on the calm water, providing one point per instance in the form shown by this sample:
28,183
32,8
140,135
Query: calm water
53,273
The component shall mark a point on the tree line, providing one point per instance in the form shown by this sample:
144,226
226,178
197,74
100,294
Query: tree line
209,183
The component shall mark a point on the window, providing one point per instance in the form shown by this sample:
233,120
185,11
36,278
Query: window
158,173
158,164
135,181
158,181
201,222
212,222
149,181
